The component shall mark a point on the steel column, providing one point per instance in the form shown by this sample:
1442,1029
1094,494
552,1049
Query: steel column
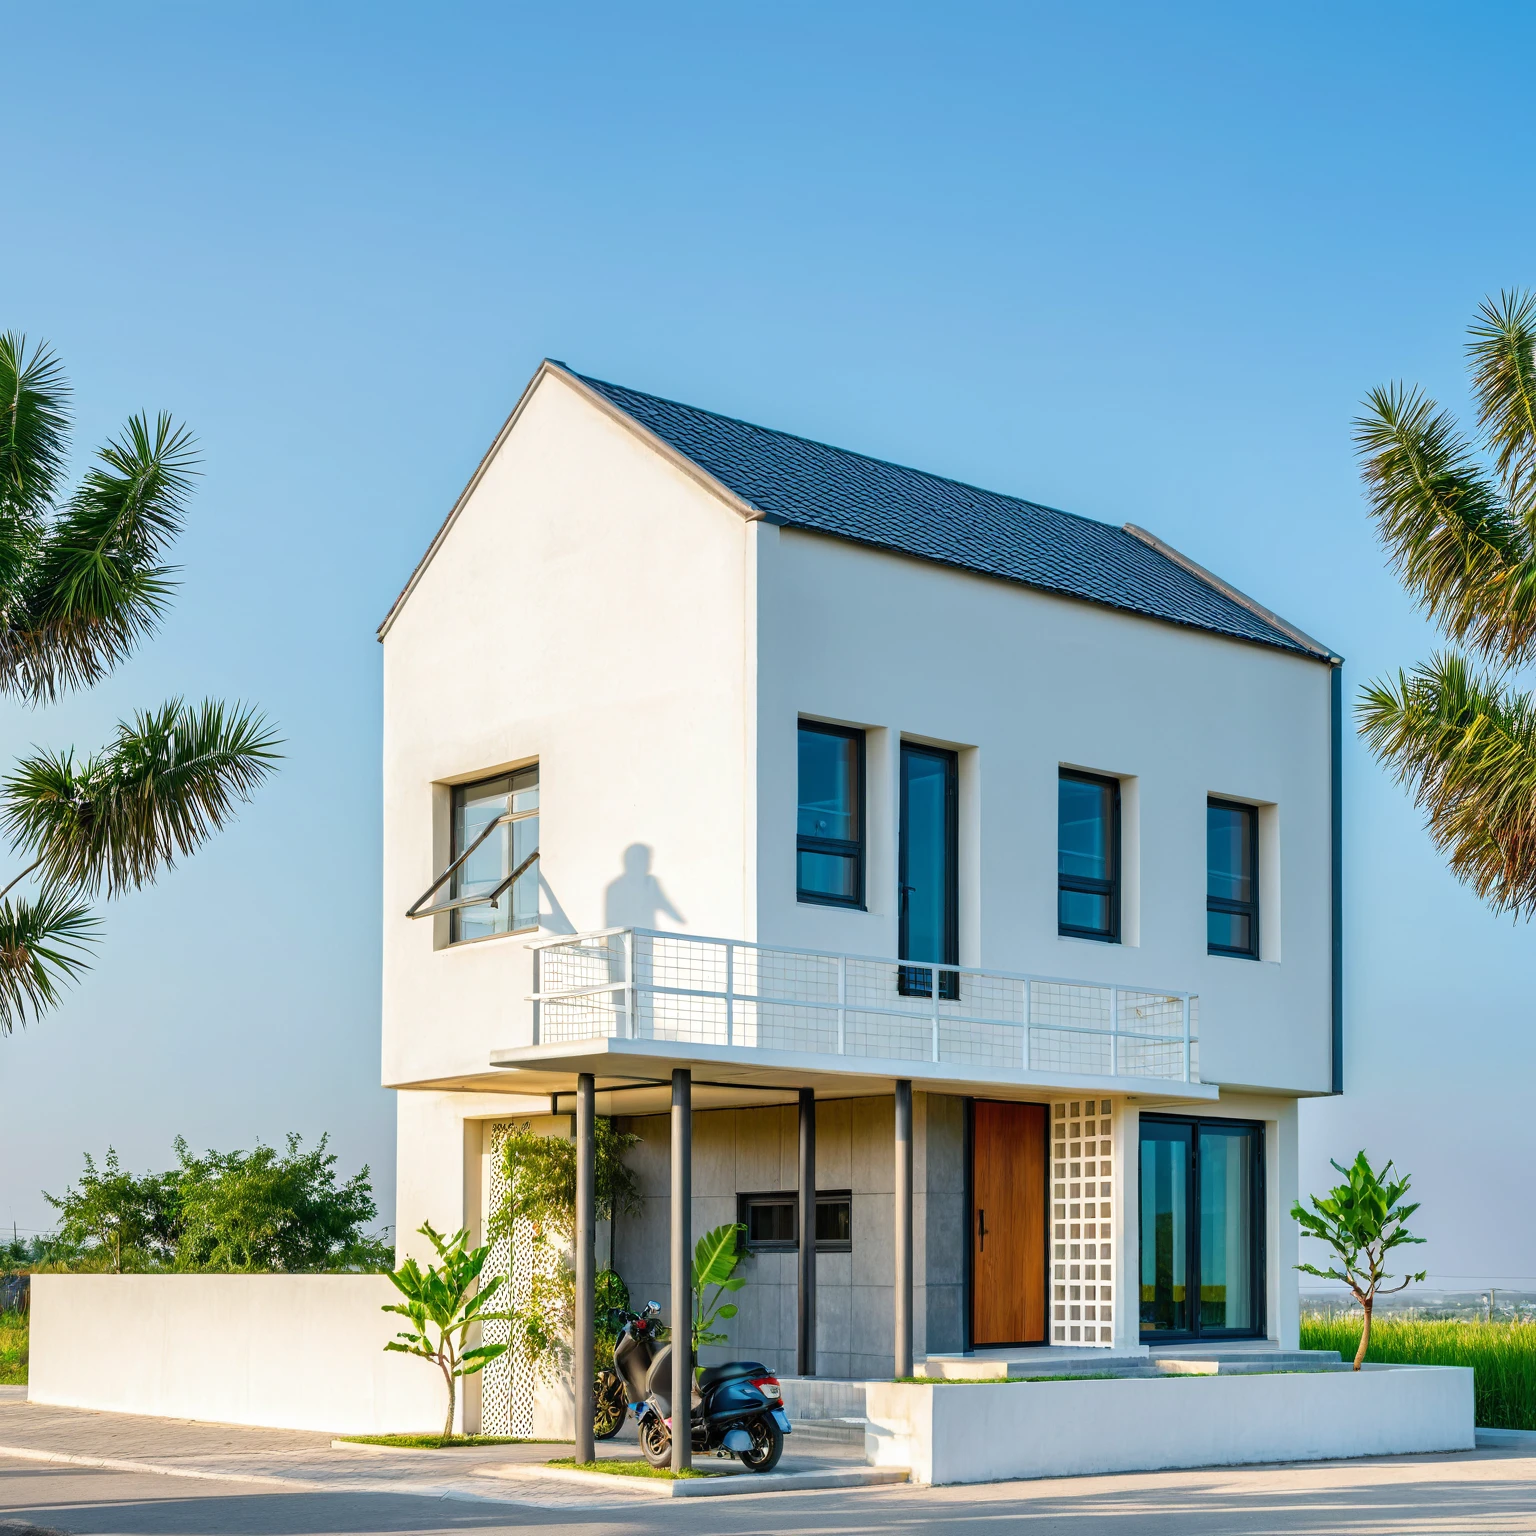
805,1356
903,1213
682,1269
582,1368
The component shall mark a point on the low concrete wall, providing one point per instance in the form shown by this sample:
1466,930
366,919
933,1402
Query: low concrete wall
975,1434
284,1351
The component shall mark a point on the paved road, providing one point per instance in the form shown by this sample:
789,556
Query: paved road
1490,1490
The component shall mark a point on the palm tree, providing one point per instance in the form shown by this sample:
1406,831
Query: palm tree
82,583
1460,525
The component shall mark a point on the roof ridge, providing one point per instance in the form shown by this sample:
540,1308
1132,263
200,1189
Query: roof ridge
852,453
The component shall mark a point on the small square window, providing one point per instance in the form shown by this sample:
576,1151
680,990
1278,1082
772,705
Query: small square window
773,1222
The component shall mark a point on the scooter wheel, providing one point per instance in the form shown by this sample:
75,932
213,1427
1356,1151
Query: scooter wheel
767,1445
609,1406
655,1441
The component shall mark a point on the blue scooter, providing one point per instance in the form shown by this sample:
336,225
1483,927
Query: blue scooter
737,1408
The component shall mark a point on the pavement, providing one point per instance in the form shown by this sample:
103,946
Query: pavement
95,1474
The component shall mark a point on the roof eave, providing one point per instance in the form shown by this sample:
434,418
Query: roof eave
1314,648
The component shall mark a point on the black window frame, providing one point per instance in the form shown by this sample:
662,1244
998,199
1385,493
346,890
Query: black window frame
791,1198
840,847
1081,883
1257,1232
1250,909
916,979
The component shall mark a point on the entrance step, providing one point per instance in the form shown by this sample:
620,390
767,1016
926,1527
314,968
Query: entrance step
1034,1362
1245,1362
1250,1361
825,1408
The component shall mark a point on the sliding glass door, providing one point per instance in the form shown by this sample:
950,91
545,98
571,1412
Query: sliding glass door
930,887
1202,1202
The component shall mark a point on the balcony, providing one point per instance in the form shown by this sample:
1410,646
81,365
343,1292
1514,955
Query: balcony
637,984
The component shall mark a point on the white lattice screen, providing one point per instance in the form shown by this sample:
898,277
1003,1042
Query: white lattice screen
1082,1186
507,1383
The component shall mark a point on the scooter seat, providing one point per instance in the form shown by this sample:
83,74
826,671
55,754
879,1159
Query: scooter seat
715,1374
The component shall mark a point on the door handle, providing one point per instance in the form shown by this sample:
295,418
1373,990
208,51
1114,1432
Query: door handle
981,1229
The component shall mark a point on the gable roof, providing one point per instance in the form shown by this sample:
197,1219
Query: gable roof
799,483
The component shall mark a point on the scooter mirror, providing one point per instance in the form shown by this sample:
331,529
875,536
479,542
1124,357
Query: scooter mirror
653,1309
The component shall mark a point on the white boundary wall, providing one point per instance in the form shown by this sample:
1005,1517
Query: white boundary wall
977,1434
283,1351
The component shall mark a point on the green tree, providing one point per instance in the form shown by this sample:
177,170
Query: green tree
449,1301
263,1211
83,581
1459,522
114,1220
1362,1220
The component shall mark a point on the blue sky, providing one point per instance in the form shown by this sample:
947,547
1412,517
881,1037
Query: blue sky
1137,262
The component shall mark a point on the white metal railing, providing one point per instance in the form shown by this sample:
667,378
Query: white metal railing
641,984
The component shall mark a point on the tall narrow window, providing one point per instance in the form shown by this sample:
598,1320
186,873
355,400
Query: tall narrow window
1232,879
829,847
1202,1202
513,800
929,926
1088,857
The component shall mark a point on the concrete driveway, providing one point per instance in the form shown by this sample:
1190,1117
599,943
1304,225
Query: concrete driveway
216,1479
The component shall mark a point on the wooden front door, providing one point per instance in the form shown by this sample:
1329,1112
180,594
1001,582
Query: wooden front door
1008,1178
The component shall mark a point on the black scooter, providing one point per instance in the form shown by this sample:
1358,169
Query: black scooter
737,1408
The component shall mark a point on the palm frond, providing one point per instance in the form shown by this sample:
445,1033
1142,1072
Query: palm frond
1502,350
1465,745
97,584
34,428
170,779
43,945
1450,534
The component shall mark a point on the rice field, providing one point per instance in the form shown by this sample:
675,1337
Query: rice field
13,1349
1502,1357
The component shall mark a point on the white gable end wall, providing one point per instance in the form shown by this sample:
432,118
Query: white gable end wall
588,611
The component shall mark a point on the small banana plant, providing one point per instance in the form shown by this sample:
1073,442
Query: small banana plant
715,1257
447,1301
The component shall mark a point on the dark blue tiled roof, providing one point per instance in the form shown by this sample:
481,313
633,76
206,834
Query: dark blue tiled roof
804,484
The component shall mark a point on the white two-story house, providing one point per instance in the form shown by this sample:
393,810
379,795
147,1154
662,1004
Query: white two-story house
975,864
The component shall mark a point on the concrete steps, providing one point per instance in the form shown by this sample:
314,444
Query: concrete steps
831,1411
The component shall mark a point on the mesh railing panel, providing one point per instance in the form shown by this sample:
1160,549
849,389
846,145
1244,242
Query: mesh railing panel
894,1039
719,992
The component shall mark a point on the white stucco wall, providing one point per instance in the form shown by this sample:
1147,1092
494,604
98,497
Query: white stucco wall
588,612
1022,684
976,1434
283,1351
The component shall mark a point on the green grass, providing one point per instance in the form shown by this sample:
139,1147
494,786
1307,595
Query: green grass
1000,1381
624,1466
437,1443
13,1349
1502,1357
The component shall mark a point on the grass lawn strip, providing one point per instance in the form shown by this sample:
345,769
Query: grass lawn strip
1002,1381
13,1349
625,1466
437,1443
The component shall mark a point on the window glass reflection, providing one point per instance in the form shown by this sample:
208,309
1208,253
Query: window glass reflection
476,806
